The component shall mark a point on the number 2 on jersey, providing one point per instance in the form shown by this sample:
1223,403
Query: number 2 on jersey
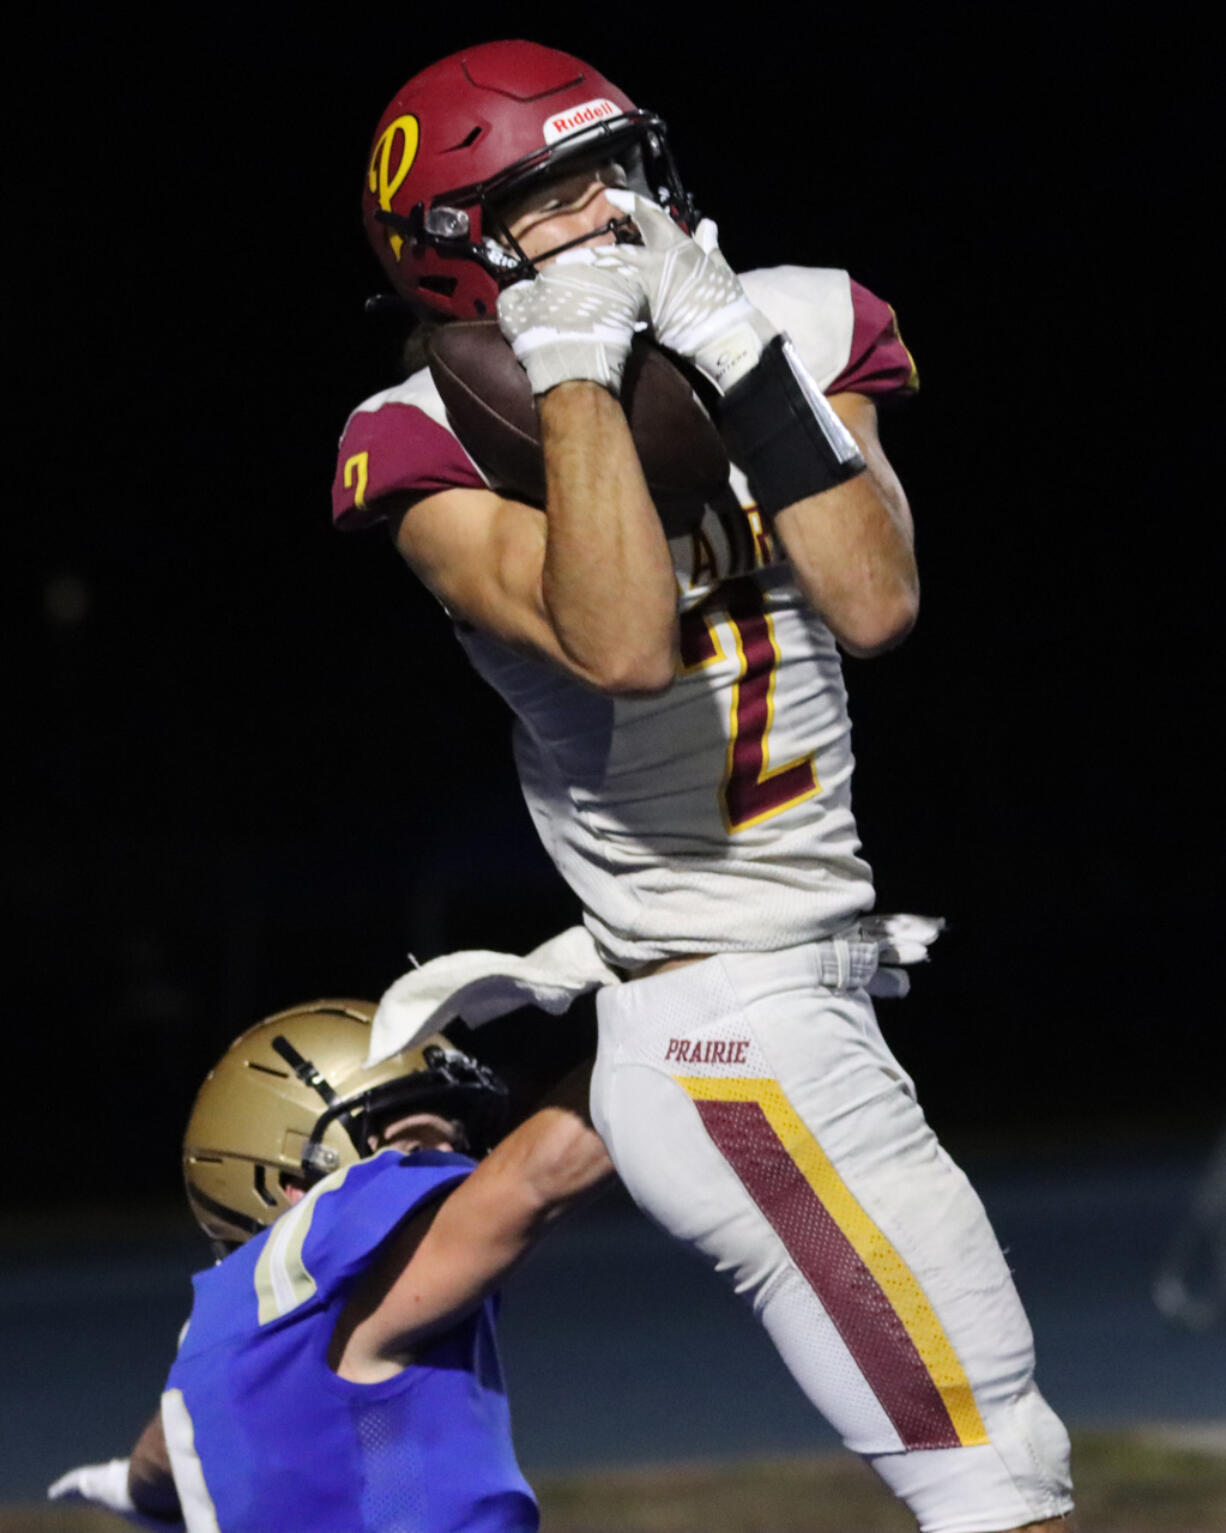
751,790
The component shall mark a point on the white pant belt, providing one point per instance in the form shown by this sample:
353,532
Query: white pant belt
846,964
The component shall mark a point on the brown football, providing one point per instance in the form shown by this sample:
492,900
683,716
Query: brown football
492,411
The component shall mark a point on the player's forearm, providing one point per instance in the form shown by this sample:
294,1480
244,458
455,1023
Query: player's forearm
558,1157
150,1482
607,583
551,1163
548,1165
852,548
855,564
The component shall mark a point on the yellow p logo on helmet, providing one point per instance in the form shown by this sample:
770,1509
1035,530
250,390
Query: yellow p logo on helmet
401,135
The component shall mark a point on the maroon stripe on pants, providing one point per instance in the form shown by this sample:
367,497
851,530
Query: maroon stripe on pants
851,1296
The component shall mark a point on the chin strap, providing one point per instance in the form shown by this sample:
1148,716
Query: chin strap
308,1073
624,232
503,258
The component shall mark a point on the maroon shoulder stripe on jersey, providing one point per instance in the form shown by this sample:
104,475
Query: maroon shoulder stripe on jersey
396,448
871,1329
878,362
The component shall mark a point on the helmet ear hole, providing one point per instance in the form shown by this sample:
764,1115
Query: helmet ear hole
261,1186
292,1187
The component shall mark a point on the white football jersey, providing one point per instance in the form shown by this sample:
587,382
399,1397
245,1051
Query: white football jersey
715,816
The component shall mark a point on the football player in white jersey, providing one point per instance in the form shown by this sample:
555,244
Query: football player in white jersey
683,743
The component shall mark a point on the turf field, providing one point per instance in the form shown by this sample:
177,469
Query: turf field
1128,1482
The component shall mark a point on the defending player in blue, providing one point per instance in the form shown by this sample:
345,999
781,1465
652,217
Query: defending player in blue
339,1372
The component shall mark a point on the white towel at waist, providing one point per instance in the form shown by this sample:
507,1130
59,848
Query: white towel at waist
478,985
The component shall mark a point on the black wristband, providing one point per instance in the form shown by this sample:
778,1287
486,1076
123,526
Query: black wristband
781,430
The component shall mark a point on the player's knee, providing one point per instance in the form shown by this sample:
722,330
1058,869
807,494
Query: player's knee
1018,1479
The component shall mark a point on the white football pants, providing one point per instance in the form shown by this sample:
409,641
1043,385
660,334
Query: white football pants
760,1117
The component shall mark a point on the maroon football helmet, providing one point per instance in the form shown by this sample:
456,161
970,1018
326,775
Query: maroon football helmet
473,129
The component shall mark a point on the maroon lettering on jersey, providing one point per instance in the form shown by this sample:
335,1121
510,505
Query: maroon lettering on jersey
396,449
712,1051
878,363
751,792
698,644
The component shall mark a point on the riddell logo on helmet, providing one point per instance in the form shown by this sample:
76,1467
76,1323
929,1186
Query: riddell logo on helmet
577,117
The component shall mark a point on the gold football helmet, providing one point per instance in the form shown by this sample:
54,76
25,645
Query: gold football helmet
291,1098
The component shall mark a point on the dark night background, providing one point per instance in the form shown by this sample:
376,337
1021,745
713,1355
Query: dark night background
248,764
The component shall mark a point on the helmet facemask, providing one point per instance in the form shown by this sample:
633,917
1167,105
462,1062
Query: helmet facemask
452,1086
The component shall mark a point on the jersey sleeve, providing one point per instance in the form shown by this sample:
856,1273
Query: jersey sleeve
394,448
878,363
847,337
377,1195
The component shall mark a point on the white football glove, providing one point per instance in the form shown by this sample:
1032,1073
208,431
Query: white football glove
574,319
697,304
106,1485
775,421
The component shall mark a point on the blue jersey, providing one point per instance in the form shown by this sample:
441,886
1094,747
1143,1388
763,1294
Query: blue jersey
265,1438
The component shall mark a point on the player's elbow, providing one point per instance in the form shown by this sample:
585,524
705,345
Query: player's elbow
637,681
563,1160
871,628
639,670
